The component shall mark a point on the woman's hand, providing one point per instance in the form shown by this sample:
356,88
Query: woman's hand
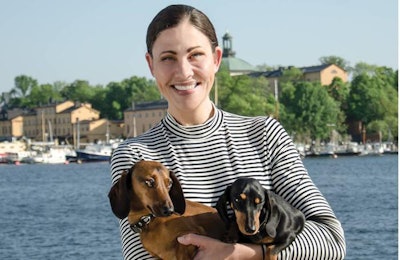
210,248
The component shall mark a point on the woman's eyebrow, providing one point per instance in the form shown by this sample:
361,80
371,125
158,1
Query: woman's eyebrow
174,52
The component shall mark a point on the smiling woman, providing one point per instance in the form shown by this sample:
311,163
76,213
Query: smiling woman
207,148
184,66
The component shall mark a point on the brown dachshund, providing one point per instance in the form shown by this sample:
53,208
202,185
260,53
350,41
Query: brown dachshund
151,197
260,216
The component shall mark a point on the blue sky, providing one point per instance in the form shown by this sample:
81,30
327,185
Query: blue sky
103,41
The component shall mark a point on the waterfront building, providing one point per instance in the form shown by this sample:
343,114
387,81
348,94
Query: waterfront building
323,74
66,121
142,116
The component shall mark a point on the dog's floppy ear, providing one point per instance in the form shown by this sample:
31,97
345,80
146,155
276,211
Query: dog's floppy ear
176,195
221,205
119,195
273,219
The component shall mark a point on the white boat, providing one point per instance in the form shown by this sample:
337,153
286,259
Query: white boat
51,156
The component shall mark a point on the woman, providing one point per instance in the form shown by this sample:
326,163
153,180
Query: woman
208,148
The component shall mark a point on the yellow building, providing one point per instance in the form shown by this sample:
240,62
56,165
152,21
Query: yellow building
143,116
60,121
12,127
324,74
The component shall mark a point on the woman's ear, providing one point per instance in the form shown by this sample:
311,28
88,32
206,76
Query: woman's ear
149,60
217,58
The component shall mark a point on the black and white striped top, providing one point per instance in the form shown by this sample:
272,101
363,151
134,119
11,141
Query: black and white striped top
206,158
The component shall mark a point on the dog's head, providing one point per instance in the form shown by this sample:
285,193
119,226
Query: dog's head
148,186
248,199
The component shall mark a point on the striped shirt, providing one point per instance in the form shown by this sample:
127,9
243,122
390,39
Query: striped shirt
208,157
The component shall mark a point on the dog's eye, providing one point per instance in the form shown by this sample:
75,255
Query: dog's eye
150,183
169,185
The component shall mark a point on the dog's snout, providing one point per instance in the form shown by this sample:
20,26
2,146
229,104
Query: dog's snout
167,211
251,229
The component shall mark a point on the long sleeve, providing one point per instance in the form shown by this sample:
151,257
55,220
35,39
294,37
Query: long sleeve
323,236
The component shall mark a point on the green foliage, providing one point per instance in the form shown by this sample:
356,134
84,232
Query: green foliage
120,95
43,94
371,99
19,94
79,90
339,91
244,95
309,110
338,61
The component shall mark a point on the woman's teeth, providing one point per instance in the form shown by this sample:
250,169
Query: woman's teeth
189,87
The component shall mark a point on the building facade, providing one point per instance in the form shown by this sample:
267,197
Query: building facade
64,121
323,74
143,116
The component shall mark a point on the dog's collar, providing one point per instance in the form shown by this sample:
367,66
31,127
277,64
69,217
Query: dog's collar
143,221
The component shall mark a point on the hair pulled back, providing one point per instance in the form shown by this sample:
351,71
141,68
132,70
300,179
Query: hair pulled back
172,15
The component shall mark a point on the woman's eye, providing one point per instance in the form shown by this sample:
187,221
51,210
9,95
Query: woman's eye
167,58
196,55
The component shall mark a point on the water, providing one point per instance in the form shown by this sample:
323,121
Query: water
363,193
62,211
57,212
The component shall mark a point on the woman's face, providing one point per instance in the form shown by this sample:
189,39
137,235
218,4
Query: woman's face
184,67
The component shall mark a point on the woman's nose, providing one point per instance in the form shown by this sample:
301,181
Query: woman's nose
184,69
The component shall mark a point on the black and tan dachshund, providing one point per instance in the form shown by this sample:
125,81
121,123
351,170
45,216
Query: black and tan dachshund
260,216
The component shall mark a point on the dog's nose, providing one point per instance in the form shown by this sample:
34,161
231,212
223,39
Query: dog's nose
251,229
167,211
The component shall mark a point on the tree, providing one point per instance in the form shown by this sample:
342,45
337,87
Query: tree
339,91
43,94
338,61
120,95
309,110
79,90
244,95
363,68
23,86
373,100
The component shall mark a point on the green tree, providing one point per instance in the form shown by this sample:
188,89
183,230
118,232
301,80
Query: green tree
19,94
363,68
244,95
309,110
338,61
120,95
43,94
373,100
79,90
339,91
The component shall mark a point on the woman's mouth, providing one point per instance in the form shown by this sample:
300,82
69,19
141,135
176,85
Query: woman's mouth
185,87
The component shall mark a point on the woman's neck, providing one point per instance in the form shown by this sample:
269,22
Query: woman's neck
193,117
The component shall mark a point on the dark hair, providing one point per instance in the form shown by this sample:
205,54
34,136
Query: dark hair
172,15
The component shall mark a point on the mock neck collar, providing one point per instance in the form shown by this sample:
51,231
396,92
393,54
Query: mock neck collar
200,131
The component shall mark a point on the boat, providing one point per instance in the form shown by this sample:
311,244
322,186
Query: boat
348,149
94,153
51,156
327,150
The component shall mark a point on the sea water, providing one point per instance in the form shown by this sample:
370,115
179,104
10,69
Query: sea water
63,212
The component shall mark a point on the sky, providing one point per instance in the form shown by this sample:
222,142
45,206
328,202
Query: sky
103,41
